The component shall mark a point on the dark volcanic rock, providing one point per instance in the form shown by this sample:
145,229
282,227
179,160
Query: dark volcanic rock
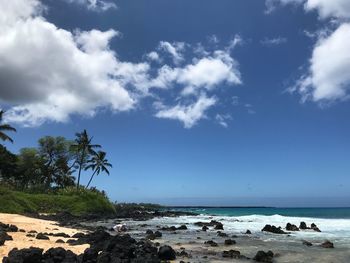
303,225
78,235
263,256
42,236
166,228
4,237
166,253
231,254
307,243
205,228
27,255
315,228
59,255
60,241
8,228
211,243
219,226
327,244
273,229
229,242
248,232
182,227
291,227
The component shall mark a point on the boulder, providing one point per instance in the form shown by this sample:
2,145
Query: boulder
222,234
205,228
291,227
327,244
303,225
248,232
219,226
273,229
315,228
182,227
166,253
27,255
307,243
211,243
42,236
263,256
59,241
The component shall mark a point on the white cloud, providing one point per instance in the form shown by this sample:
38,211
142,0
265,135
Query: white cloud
174,49
95,5
188,114
271,5
330,8
48,73
222,119
273,41
325,8
204,74
329,73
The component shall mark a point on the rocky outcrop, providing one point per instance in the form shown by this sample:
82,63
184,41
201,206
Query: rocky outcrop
229,242
211,243
263,256
273,229
307,243
291,227
166,253
231,254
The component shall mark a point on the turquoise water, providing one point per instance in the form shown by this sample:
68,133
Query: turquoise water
330,213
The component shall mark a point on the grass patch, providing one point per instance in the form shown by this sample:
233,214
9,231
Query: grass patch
79,203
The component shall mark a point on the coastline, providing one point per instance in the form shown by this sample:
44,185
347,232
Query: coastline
185,235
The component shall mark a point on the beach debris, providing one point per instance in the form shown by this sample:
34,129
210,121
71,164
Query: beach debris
42,236
166,253
307,243
327,244
248,232
232,254
262,256
211,243
273,229
229,242
120,228
291,227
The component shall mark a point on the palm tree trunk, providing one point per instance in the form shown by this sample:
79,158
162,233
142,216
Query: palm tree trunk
80,167
92,176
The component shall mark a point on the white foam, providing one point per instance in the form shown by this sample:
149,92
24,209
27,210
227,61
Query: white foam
336,230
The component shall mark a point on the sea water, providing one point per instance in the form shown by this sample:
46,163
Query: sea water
333,222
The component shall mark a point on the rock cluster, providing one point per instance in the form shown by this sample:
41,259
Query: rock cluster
263,256
273,229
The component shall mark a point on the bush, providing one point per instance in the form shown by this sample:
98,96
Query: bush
77,202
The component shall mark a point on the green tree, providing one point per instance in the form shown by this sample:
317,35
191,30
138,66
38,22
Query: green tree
8,165
4,128
30,166
83,149
98,163
56,155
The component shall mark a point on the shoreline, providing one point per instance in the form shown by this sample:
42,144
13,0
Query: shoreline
184,235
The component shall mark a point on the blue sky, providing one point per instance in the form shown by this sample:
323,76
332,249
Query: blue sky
196,102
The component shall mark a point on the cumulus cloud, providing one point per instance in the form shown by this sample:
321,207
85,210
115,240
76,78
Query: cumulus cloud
188,114
329,72
174,49
49,74
273,41
95,5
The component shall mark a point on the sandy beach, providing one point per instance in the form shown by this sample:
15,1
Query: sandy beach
21,240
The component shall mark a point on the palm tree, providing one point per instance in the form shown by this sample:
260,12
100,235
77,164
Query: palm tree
83,149
98,163
5,127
